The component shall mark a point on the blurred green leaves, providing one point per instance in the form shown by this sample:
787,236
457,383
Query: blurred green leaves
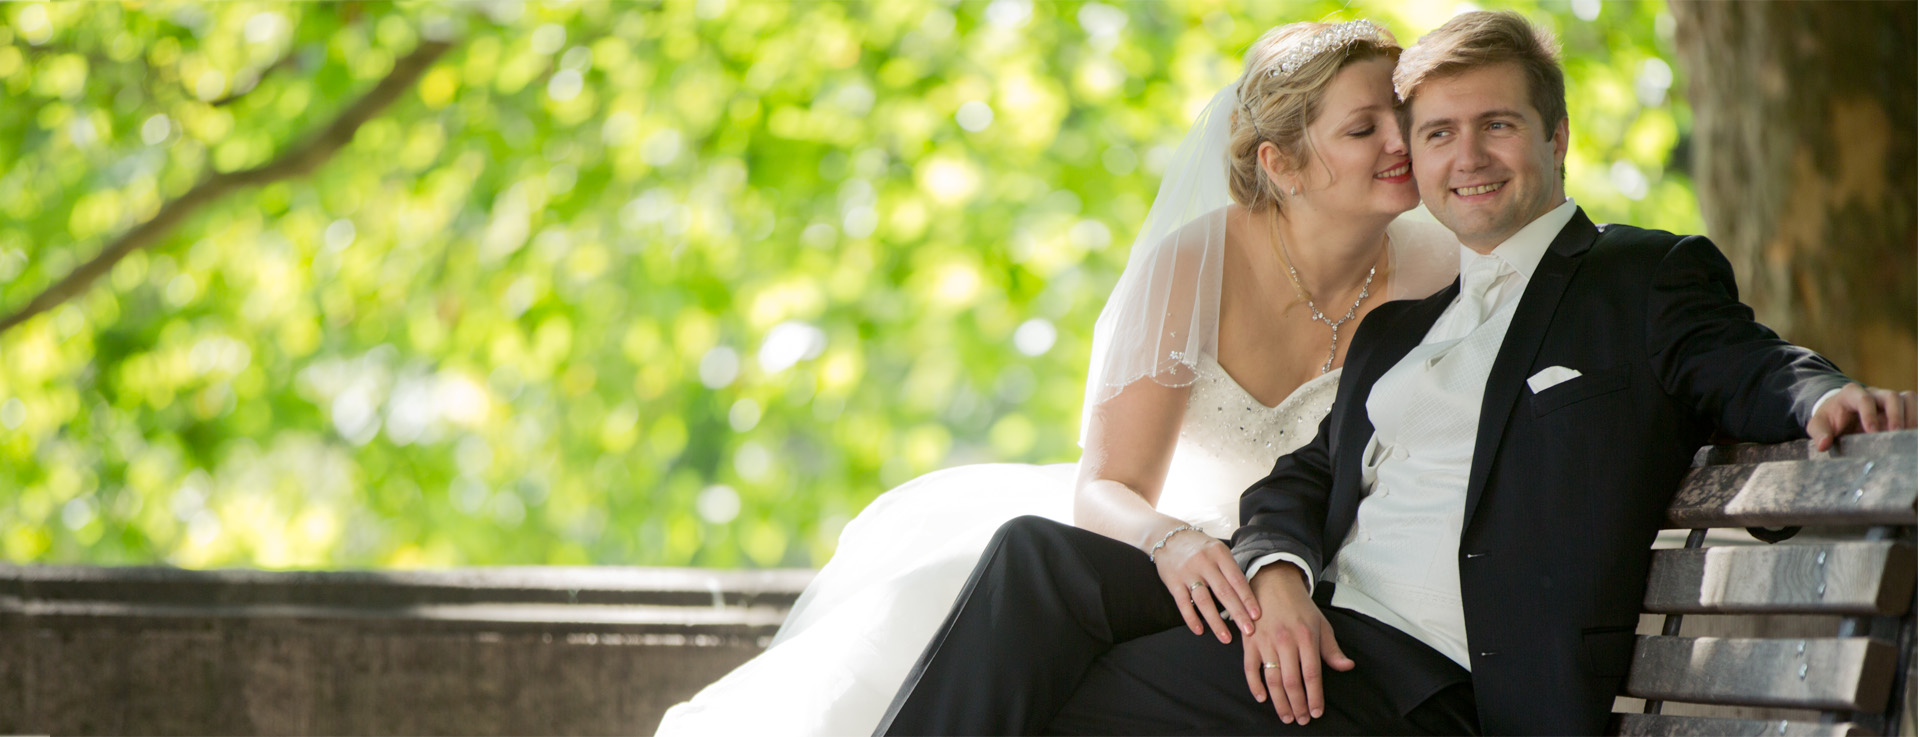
682,283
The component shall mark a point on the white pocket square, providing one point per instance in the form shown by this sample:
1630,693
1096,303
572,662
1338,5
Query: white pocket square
1550,377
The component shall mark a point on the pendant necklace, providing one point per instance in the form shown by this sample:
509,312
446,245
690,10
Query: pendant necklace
1333,345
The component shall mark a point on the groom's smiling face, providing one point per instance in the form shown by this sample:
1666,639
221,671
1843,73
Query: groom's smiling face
1486,163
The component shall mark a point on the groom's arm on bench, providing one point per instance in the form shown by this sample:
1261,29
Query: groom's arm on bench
1706,348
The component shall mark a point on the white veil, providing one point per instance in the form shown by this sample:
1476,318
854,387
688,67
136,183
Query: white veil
1164,314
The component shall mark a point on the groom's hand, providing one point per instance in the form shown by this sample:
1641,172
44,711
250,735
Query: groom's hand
1293,636
1857,408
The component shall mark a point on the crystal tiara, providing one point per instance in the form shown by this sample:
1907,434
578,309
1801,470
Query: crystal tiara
1328,39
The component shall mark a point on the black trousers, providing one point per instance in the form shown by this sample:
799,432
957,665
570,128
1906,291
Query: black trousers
1065,631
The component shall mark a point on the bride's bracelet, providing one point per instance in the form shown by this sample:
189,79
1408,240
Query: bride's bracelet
1164,538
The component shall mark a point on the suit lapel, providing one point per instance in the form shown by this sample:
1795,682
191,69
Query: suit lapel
1363,369
1530,320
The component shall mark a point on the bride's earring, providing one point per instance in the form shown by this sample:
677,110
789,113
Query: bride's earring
1295,191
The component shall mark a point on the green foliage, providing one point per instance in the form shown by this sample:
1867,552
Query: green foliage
680,284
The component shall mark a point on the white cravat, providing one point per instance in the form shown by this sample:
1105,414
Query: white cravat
1481,282
1477,283
1399,563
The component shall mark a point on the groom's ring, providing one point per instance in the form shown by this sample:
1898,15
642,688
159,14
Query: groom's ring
1194,585
1269,665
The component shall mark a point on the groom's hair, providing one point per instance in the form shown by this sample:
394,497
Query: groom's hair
1484,38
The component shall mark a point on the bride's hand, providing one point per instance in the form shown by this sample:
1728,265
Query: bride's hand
1199,570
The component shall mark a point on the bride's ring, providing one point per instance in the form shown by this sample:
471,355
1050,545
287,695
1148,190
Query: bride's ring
1194,585
1269,665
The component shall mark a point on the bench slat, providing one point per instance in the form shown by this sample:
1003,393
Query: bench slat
1856,445
1660,725
1853,673
1833,578
1789,493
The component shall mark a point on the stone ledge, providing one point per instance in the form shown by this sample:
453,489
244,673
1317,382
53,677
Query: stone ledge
474,651
681,587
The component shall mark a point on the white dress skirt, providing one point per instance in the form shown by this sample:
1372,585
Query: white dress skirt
861,624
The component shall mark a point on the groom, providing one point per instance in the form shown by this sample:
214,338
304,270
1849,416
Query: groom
1463,546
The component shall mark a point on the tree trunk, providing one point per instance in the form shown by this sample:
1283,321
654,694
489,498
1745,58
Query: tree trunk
1803,155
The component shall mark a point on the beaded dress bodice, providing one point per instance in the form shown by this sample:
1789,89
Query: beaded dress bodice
1229,440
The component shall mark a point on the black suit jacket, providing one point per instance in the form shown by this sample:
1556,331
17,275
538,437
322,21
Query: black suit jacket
1568,486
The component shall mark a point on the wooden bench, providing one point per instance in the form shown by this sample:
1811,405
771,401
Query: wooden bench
1810,635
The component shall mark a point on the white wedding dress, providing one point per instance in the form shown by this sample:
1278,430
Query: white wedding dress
850,639
856,631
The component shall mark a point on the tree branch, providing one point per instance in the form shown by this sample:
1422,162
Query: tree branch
252,81
298,161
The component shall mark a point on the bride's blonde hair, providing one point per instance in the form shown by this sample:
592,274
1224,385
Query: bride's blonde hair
1276,106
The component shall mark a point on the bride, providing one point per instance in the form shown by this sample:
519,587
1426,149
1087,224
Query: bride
1274,233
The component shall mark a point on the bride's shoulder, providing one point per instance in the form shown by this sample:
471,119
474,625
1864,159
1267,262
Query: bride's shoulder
1426,254
1196,243
1417,231
1204,230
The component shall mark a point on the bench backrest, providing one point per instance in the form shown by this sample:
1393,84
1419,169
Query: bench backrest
1842,593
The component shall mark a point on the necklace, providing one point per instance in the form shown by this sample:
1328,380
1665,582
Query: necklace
1273,228
1333,345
